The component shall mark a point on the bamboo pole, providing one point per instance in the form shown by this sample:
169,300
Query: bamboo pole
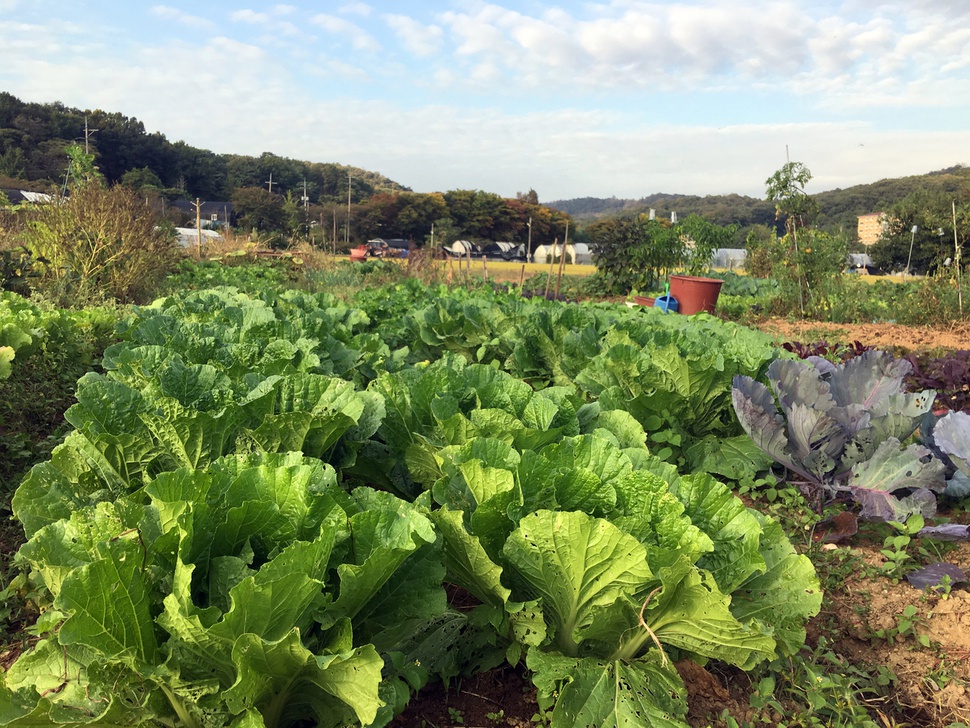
562,259
485,267
552,264
956,258
521,278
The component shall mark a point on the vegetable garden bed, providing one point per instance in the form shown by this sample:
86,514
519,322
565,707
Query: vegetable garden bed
262,497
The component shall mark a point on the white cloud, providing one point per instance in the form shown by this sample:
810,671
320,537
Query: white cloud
249,16
54,38
271,23
358,37
708,45
419,39
169,13
824,63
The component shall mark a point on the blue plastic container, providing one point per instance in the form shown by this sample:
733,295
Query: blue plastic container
667,303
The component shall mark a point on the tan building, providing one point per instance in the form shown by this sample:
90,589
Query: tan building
871,227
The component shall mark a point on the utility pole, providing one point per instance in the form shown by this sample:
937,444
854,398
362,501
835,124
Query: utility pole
528,252
87,133
306,213
198,226
349,181
270,183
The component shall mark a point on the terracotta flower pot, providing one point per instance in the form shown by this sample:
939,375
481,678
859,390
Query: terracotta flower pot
695,294
643,301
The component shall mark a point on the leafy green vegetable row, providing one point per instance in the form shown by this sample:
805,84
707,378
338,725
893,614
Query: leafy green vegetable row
28,329
213,556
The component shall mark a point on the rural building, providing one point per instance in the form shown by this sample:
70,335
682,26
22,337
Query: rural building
729,258
871,227
575,253
189,237
19,197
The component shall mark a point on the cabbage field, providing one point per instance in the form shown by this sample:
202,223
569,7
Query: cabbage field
284,509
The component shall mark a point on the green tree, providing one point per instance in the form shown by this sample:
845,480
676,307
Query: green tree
701,239
13,163
82,170
258,209
418,213
139,178
294,219
786,188
932,215
761,244
634,253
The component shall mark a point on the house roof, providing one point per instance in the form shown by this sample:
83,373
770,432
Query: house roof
188,237
18,197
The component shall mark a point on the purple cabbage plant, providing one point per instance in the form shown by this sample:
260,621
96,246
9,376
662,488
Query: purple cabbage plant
949,438
839,429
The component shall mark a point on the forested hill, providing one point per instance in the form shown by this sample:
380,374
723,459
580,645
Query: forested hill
721,209
33,139
838,208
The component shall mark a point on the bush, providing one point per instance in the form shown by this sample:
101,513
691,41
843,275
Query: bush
99,243
809,270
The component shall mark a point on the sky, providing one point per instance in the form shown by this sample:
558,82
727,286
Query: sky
570,99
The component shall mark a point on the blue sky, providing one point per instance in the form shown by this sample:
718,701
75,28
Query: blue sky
571,99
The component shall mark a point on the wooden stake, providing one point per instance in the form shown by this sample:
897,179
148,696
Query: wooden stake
485,267
521,278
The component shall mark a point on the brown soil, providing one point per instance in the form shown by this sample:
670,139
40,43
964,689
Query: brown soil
891,337
501,698
932,682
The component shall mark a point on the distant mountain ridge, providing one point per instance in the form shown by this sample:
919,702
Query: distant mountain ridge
33,138
838,208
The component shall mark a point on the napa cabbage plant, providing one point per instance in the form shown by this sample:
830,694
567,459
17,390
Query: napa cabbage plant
450,402
601,572
188,416
249,593
840,427
676,384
